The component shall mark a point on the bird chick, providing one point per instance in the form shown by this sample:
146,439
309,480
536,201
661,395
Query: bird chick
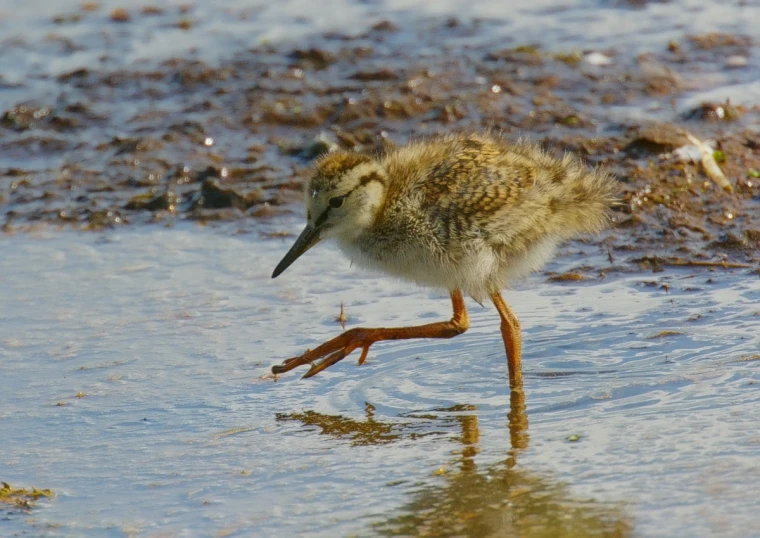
468,214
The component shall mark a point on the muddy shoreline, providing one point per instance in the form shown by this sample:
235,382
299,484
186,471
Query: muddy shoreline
187,140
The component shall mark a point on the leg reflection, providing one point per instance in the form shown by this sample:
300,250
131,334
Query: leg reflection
517,421
501,499
470,439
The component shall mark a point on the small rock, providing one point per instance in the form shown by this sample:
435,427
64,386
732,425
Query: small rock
120,15
320,144
597,58
377,75
730,242
735,61
318,58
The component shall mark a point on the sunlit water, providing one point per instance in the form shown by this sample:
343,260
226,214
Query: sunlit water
166,334
220,28
34,45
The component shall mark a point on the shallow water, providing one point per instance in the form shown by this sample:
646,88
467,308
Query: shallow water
50,37
229,25
168,336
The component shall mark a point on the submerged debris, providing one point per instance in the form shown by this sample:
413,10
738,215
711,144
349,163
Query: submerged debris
22,498
567,277
665,334
655,261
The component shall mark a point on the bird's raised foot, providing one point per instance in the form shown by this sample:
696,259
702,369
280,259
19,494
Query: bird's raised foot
333,351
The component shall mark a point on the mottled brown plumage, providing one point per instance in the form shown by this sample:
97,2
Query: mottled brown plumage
462,213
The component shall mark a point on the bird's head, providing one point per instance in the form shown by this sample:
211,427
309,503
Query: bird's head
343,197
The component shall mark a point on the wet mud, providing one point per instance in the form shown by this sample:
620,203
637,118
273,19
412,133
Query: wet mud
188,140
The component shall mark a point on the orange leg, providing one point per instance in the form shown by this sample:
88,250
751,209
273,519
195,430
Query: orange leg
341,346
510,332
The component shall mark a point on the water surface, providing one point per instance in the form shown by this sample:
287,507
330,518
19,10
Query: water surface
134,384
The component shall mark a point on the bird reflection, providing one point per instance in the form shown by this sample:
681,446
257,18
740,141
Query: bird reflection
497,499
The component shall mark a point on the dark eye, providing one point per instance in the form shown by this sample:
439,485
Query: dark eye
336,202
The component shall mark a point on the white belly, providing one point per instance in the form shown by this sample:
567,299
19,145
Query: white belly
477,272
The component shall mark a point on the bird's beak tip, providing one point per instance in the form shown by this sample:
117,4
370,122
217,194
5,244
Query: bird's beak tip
308,238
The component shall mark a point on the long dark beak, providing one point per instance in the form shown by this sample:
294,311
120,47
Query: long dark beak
308,238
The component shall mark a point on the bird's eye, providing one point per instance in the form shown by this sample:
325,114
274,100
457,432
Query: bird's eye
336,201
